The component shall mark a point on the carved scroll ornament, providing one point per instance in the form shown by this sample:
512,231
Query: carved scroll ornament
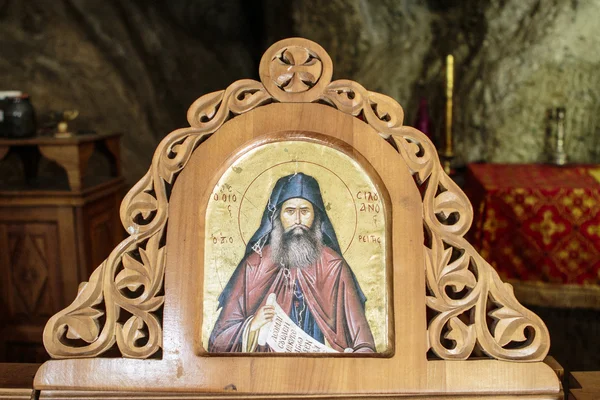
128,283
472,307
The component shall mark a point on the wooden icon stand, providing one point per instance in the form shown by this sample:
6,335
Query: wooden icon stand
451,328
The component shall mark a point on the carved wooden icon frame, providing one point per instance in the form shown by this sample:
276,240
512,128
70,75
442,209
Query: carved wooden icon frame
455,327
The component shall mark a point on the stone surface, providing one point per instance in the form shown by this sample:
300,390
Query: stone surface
129,66
381,45
514,59
535,56
136,66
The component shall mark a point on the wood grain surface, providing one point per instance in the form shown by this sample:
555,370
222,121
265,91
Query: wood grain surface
442,294
182,370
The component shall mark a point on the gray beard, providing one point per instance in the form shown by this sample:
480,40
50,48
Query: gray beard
298,247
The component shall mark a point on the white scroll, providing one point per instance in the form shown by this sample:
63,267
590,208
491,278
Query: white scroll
284,336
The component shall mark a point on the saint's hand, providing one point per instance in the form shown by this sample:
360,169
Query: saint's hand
264,315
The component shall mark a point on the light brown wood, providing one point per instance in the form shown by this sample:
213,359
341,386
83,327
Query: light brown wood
584,385
556,367
295,70
421,275
184,245
85,395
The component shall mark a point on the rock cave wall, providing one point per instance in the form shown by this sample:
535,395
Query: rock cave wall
135,66
514,59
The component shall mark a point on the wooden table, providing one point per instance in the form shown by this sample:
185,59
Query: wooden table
16,380
584,385
72,154
539,226
53,234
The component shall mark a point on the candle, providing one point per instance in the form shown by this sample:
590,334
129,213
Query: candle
449,89
447,153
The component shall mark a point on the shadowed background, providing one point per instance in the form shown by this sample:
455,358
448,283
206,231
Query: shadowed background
136,66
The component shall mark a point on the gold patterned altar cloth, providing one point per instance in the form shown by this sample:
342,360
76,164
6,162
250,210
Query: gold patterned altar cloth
539,226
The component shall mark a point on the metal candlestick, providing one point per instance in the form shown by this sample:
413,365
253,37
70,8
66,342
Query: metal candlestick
560,157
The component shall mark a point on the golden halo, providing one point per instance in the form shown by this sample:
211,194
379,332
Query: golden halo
337,198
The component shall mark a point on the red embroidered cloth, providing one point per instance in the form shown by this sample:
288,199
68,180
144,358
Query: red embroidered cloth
540,225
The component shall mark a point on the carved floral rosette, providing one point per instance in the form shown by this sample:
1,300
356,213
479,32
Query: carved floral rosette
471,307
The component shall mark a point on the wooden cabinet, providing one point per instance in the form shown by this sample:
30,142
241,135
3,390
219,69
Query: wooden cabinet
50,240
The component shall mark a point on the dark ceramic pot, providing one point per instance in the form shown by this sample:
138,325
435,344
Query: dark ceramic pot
19,118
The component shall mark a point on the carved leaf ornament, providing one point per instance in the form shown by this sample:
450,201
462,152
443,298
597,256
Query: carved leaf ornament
471,307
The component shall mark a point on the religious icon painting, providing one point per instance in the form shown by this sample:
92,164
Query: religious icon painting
295,255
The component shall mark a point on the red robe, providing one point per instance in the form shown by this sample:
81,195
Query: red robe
330,291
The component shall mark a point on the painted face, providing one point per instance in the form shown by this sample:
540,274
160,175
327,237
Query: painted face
297,211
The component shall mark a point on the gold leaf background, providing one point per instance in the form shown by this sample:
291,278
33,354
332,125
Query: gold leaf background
239,199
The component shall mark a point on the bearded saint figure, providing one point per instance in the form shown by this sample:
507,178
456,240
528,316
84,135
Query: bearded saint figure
295,255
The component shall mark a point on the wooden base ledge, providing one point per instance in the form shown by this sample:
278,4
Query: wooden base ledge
167,379
16,394
58,395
